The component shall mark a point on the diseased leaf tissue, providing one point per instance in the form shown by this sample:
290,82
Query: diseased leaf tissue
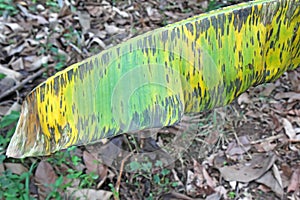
153,79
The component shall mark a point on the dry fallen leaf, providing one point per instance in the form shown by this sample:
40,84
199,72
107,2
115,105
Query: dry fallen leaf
39,18
269,180
14,27
289,130
221,191
121,13
190,188
268,89
93,165
209,180
110,151
90,194
6,83
240,148
11,73
18,64
112,29
291,96
38,63
294,76
44,176
277,175
244,98
212,138
295,181
247,171
98,42
199,183
84,20
16,168
265,146
14,49
3,110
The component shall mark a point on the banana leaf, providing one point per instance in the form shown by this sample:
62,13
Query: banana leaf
152,80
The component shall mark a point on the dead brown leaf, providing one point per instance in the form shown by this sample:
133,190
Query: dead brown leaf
109,151
10,73
269,180
268,89
244,98
44,176
91,194
37,63
295,181
38,18
265,146
121,13
291,96
14,49
210,181
13,27
3,110
6,83
95,11
289,130
246,171
93,165
17,64
16,168
112,29
221,190
294,76
235,148
84,20
199,183
174,196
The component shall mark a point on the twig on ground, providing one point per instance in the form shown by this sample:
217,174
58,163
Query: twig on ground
121,172
294,141
241,145
275,137
22,83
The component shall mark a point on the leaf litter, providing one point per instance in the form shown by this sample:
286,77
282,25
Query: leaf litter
238,155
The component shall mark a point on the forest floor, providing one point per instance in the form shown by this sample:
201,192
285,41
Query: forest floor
247,150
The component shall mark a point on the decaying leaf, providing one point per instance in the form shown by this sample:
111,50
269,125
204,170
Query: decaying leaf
295,181
269,180
44,177
288,127
246,171
16,168
199,182
84,20
91,194
265,146
93,165
244,98
238,148
38,63
10,73
112,29
291,96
